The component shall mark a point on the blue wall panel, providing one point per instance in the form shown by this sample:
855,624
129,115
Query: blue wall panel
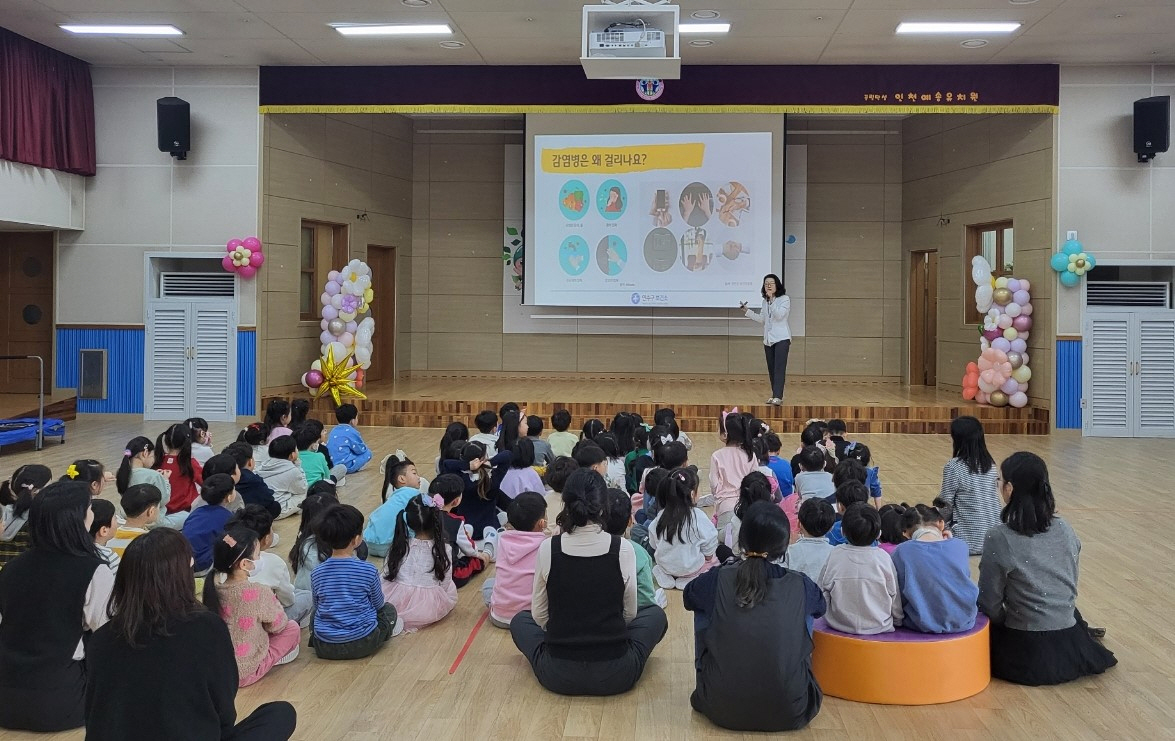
1069,384
124,367
246,373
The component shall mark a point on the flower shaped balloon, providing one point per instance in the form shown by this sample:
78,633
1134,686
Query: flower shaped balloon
1072,262
244,256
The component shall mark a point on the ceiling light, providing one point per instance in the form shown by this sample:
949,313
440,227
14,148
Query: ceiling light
361,29
964,27
122,30
703,28
701,42
974,43
426,3
1022,2
705,15
453,44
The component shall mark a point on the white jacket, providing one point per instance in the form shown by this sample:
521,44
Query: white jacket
288,481
273,573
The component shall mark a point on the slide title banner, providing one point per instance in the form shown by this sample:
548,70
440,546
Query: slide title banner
624,159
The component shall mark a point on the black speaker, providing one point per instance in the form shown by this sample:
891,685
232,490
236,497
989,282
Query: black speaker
173,117
1152,126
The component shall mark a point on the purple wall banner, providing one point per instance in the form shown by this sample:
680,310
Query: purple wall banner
1029,88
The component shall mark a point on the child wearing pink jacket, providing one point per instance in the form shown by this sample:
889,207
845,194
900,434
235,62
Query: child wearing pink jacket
509,592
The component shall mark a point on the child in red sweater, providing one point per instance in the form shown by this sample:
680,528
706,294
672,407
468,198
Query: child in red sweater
187,475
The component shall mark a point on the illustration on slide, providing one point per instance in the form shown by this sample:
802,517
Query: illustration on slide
611,200
611,255
731,250
660,249
660,212
573,200
734,201
696,204
695,253
573,255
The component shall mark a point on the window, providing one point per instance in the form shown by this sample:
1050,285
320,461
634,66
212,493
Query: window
323,248
994,242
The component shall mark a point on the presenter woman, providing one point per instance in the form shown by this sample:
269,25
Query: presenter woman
776,333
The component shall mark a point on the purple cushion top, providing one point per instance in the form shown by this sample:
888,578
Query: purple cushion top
901,635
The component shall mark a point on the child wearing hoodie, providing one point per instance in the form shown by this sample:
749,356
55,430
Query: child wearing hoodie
401,484
345,444
510,591
283,474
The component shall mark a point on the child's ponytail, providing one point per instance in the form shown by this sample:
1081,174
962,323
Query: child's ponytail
763,536
227,551
177,438
675,495
255,434
26,481
419,517
475,451
737,434
85,470
122,479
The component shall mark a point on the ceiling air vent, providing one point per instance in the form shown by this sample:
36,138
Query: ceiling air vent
197,285
1128,293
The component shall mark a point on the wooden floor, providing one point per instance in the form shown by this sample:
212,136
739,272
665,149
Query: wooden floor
1115,493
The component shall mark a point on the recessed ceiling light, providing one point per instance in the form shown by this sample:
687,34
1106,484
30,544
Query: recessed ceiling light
974,43
963,27
703,28
705,15
701,42
1022,2
426,3
122,30
453,44
406,29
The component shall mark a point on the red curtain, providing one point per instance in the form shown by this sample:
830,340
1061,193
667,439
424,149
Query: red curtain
46,107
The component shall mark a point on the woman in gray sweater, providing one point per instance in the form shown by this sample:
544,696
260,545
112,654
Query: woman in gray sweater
1028,585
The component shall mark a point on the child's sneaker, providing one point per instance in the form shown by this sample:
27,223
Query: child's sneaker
398,628
288,657
706,501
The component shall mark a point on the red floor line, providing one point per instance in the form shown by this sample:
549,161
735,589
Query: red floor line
469,642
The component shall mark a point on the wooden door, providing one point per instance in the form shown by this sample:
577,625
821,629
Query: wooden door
924,318
26,279
382,261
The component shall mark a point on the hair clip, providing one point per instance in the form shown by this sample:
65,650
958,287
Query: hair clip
666,439
232,542
438,501
725,414
72,471
754,554
126,453
30,487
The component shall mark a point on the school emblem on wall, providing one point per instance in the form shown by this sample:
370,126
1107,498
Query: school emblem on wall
650,88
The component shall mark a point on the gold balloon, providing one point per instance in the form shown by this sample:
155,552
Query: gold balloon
1001,296
998,399
335,377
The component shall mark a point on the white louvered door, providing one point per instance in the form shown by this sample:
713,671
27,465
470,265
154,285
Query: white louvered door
1129,371
214,362
191,361
167,363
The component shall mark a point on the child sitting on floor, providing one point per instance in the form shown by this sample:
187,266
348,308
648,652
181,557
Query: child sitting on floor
270,569
810,552
344,442
284,475
755,488
684,539
256,436
262,635
478,502
859,581
401,484
729,464
510,591
102,529
136,468
542,449
250,486
847,494
308,552
561,441
140,504
487,425
813,480
667,418
186,473
614,474
618,521
860,452
752,623
207,522
778,466
309,437
467,559
934,576
352,620
892,532
201,439
520,476
418,578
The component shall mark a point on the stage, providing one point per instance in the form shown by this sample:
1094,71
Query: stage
434,400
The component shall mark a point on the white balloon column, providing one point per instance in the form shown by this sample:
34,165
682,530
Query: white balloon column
347,332
1001,374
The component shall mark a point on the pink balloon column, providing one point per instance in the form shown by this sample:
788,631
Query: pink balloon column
1003,363
244,256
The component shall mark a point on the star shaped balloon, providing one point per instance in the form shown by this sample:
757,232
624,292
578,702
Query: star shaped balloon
336,377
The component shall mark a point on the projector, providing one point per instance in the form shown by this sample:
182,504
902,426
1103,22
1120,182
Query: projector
631,39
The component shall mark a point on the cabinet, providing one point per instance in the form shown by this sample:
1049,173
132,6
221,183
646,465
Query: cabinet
1129,372
191,357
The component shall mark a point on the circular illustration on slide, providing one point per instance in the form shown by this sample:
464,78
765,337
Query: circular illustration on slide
611,200
573,199
696,252
731,250
662,215
733,201
611,255
573,255
660,249
696,204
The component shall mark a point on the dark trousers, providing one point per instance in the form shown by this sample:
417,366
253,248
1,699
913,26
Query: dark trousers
777,366
601,678
385,623
273,721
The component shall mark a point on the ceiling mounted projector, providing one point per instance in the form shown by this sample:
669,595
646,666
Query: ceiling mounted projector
631,40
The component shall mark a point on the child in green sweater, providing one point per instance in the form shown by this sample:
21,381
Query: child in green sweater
619,520
313,462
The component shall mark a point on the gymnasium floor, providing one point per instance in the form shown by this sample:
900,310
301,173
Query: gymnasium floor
1115,493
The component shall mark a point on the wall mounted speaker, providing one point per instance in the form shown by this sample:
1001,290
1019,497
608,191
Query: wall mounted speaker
174,122
1152,126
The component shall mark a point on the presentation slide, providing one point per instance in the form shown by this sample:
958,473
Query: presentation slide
677,220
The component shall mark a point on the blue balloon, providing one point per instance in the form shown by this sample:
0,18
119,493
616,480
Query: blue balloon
1069,279
1072,247
1092,263
1059,261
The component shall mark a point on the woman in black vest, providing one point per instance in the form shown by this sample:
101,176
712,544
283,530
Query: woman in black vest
583,634
51,596
161,640
753,623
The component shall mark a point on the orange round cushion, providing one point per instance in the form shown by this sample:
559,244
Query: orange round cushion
903,667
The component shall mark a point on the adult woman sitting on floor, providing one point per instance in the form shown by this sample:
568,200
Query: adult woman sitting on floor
584,634
1028,585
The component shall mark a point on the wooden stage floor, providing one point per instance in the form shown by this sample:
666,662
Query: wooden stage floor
867,407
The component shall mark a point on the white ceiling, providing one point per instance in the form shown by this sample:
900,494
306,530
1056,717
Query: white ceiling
295,32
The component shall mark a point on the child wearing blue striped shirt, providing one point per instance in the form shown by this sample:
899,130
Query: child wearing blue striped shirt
352,620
